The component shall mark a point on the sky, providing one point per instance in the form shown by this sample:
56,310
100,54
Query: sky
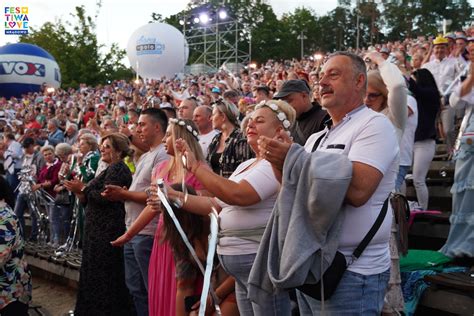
118,19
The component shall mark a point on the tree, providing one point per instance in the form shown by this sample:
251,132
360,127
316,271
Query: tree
410,18
77,51
303,21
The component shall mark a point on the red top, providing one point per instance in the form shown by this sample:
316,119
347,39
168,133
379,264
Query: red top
88,116
50,173
33,124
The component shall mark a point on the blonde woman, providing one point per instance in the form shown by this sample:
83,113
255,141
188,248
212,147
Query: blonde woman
229,147
387,93
244,202
162,287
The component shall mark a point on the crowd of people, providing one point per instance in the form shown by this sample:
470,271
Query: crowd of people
244,145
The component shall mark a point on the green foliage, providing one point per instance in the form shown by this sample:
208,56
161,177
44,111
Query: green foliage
75,47
378,21
408,18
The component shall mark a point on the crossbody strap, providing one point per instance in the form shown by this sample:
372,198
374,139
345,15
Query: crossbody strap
318,141
373,230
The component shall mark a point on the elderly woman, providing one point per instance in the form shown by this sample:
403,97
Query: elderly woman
88,157
71,134
48,177
61,212
244,202
102,289
228,148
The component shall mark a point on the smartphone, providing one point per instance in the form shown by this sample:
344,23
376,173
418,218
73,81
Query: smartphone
189,301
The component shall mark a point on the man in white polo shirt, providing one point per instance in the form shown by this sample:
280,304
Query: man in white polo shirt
370,142
202,119
445,69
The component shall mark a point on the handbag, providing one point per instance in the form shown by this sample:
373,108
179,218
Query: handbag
401,213
333,274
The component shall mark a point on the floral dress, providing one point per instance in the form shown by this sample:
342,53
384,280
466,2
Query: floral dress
15,277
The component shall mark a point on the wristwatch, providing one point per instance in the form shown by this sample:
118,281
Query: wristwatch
178,202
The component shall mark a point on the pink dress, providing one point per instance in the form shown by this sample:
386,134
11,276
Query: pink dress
161,271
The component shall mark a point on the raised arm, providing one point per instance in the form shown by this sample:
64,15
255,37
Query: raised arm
397,94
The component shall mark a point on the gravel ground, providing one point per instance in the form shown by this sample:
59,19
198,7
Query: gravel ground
52,298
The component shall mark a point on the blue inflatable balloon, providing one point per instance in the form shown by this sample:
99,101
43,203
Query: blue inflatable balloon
25,68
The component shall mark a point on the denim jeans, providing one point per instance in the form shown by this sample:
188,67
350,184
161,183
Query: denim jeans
54,223
402,172
20,206
356,294
239,267
137,257
64,220
13,181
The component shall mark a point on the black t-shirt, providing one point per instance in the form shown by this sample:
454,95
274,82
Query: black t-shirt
308,123
428,103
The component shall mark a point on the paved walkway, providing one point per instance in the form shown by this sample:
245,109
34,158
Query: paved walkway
54,299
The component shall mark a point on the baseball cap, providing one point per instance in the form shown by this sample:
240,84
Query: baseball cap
166,105
290,86
440,41
450,36
385,50
461,36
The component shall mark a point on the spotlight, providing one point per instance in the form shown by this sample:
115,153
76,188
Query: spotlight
196,20
204,18
181,22
222,15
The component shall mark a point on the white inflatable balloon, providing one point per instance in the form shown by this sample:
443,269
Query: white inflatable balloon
157,49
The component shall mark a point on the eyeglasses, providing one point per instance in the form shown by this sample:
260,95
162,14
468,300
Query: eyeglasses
373,96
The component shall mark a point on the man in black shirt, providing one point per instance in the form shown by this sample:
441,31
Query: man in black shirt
310,116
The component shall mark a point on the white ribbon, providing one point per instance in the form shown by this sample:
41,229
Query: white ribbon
211,250
210,254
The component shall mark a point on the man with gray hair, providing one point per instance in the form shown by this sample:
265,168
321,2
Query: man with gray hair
369,140
71,134
186,108
202,119
55,135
